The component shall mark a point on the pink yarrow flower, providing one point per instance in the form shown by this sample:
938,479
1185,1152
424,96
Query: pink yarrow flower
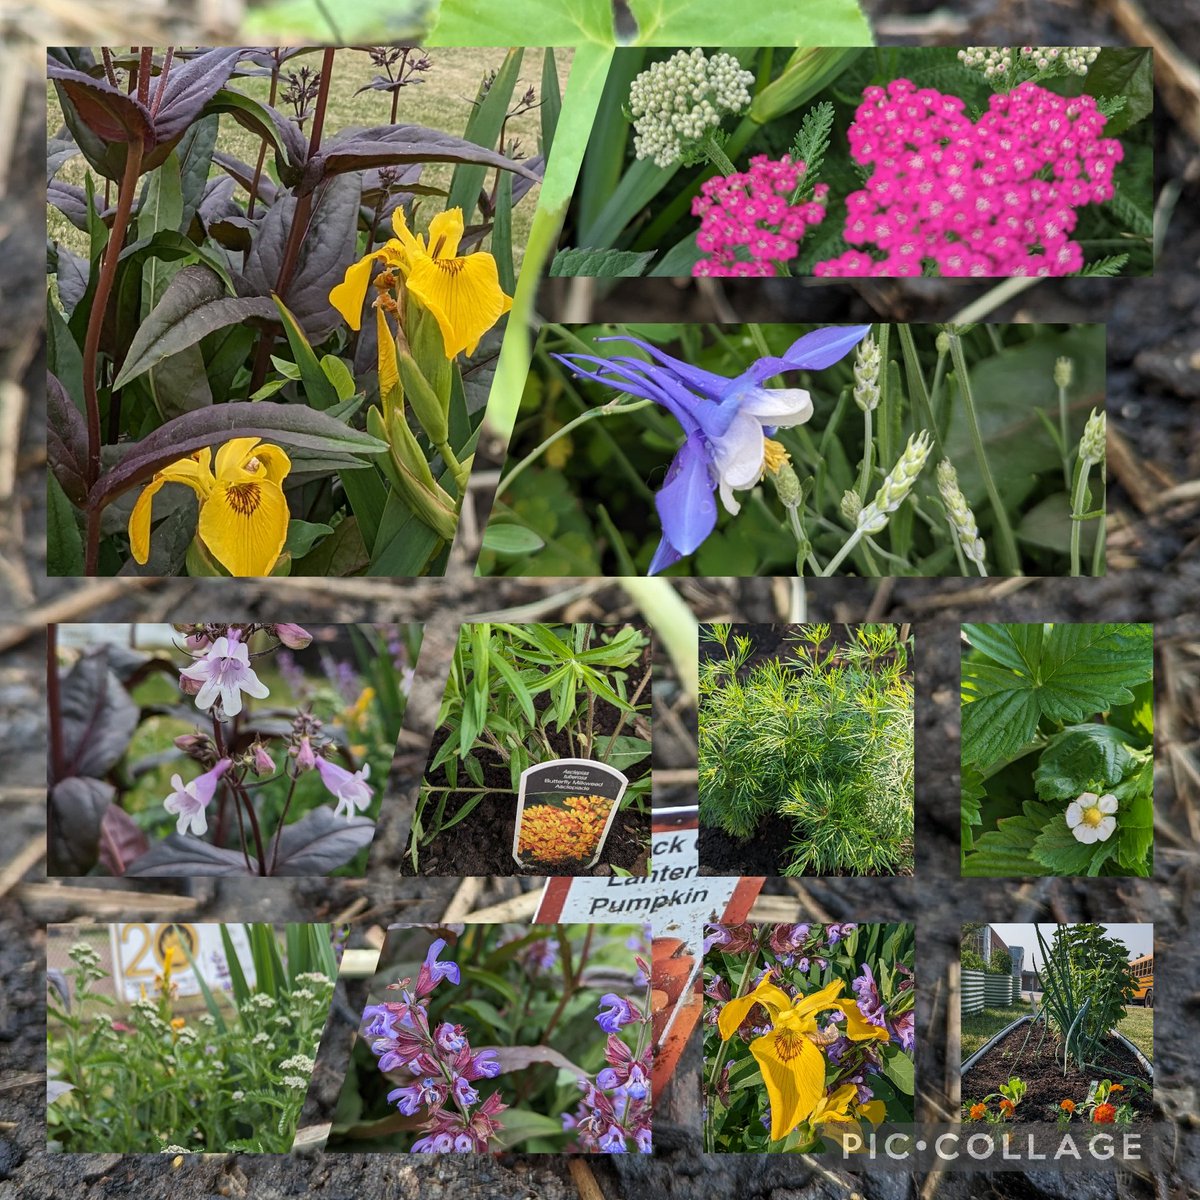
189,801
993,197
224,673
748,223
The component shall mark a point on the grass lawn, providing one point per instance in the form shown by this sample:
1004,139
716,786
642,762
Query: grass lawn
978,1027
1138,1026
443,100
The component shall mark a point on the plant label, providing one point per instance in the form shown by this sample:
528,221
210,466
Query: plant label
564,812
139,951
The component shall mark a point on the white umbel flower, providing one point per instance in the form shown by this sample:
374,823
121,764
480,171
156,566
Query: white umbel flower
1091,819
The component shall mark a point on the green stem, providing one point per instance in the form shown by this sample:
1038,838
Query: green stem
717,156
840,556
604,410
864,477
1010,560
797,528
1078,508
1062,433
461,475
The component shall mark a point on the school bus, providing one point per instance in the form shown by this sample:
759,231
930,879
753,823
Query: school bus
1143,971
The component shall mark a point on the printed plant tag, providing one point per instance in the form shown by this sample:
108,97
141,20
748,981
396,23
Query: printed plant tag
564,812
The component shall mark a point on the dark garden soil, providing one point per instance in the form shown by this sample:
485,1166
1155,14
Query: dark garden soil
1153,389
1047,1085
765,852
481,843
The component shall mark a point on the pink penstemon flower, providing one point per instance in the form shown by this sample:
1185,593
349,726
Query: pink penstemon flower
224,673
188,801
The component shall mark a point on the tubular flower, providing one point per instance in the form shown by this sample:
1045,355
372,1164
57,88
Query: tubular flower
188,801
350,787
223,674
792,1064
243,513
1090,818
461,291
726,423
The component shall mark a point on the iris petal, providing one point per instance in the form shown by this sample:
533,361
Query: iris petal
245,525
463,294
348,296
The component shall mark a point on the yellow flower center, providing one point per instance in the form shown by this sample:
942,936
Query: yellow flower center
1092,816
244,498
774,456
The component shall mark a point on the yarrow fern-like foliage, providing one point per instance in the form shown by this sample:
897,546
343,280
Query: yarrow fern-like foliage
822,738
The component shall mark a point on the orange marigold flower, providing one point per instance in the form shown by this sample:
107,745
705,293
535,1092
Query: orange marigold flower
1067,1106
1116,1087
177,1022
1007,1107
978,1112
1104,1114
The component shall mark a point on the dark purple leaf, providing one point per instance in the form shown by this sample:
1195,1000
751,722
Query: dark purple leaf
359,150
284,134
243,173
98,717
288,424
73,819
190,85
71,201
234,233
523,183
72,273
329,246
194,305
519,1058
188,857
66,440
320,841
121,841
195,152
60,150
107,111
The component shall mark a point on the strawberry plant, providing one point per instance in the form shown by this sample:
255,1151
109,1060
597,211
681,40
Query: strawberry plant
1057,750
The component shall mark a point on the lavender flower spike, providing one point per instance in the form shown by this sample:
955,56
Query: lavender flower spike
725,423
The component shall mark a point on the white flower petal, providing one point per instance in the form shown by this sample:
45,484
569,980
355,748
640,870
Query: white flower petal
738,452
1107,804
1087,799
231,699
1105,829
1074,813
777,406
1086,834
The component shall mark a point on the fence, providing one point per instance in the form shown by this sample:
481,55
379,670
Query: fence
981,990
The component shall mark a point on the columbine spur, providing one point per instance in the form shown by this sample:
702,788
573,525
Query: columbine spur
726,423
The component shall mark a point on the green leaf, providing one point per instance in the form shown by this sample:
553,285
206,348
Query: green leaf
342,553
799,23
900,1070
540,22
604,264
483,128
1080,756
1066,674
1005,851
405,544
511,539
516,685
64,542
339,375
302,535
520,1126
1057,849
368,500
1128,72
319,390
551,100
625,751
193,306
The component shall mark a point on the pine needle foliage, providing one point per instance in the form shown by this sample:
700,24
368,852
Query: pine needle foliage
822,737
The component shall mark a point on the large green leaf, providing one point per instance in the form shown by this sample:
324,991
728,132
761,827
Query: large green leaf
1068,673
194,305
1057,849
717,23
1081,756
1005,851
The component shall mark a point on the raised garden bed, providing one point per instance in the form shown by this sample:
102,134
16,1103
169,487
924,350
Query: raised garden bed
1043,1075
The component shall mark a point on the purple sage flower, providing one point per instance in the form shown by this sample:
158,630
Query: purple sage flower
870,1004
621,1012
433,972
725,423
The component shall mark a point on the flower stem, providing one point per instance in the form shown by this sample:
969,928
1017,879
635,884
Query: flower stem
287,804
1078,508
91,344
1010,560
864,477
840,556
717,156
462,476
605,410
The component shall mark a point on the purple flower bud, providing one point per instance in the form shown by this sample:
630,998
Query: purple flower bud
294,637
484,1065
264,764
306,760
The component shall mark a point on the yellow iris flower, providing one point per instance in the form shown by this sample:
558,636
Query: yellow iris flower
792,1065
462,292
243,513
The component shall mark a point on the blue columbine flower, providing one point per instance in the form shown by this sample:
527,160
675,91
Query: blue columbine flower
725,422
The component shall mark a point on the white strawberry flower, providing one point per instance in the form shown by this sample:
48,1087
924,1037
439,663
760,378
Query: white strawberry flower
1090,818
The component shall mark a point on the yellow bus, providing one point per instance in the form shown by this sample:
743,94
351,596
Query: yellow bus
1143,971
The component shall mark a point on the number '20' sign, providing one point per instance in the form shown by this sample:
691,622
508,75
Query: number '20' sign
139,950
